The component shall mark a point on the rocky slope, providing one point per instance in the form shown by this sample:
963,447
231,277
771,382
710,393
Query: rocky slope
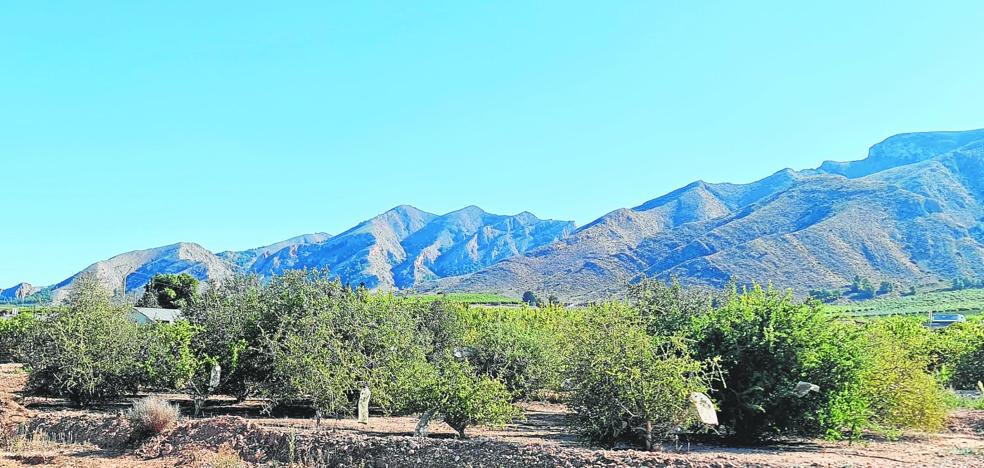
139,266
404,246
911,213
245,259
17,293
395,250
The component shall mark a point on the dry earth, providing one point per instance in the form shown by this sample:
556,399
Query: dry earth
235,435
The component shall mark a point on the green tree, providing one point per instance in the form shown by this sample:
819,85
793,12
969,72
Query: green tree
169,291
15,334
667,308
530,298
522,354
229,318
453,392
88,351
766,344
167,356
626,384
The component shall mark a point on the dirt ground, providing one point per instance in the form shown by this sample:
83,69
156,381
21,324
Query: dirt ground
960,445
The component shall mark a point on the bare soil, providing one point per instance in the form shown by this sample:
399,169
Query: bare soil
54,434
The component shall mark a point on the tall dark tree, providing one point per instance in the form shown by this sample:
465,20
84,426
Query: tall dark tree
530,298
169,291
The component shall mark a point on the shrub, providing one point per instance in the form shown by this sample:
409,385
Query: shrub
893,388
626,384
87,352
15,333
896,383
766,344
153,415
515,350
166,355
668,308
169,291
228,318
455,393
961,347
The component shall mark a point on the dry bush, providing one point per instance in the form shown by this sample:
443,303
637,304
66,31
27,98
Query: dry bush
224,457
28,443
153,415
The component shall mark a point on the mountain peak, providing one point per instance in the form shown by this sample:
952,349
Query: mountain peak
903,149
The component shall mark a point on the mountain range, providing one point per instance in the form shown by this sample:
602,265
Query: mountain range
911,213
398,249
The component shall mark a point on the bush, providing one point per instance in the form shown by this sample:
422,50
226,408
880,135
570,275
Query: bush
893,387
515,349
228,318
668,308
166,355
15,332
87,352
153,415
169,291
453,391
626,384
961,349
896,383
766,344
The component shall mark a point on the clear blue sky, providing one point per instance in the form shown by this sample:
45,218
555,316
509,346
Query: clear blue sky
127,125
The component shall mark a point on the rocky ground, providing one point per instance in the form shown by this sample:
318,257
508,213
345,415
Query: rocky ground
50,434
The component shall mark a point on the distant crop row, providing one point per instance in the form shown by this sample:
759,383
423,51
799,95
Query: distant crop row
967,301
471,298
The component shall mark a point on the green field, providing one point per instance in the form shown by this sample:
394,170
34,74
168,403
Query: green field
473,298
967,302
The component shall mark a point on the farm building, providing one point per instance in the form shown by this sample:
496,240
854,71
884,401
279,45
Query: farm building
145,315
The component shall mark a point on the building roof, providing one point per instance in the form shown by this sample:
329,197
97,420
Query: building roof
159,315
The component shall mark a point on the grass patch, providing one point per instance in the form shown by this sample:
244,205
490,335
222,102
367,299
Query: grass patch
967,301
472,298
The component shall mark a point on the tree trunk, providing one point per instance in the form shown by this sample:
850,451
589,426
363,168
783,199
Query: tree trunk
649,435
421,430
199,402
364,405
460,427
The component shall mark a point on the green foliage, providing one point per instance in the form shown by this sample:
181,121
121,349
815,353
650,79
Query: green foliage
966,283
668,308
462,398
520,350
627,369
766,344
825,295
895,381
88,352
862,287
530,298
15,332
626,384
228,316
968,302
961,352
886,287
167,356
469,298
169,291
895,387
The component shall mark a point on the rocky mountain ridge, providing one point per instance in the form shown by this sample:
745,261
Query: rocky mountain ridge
394,250
911,213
